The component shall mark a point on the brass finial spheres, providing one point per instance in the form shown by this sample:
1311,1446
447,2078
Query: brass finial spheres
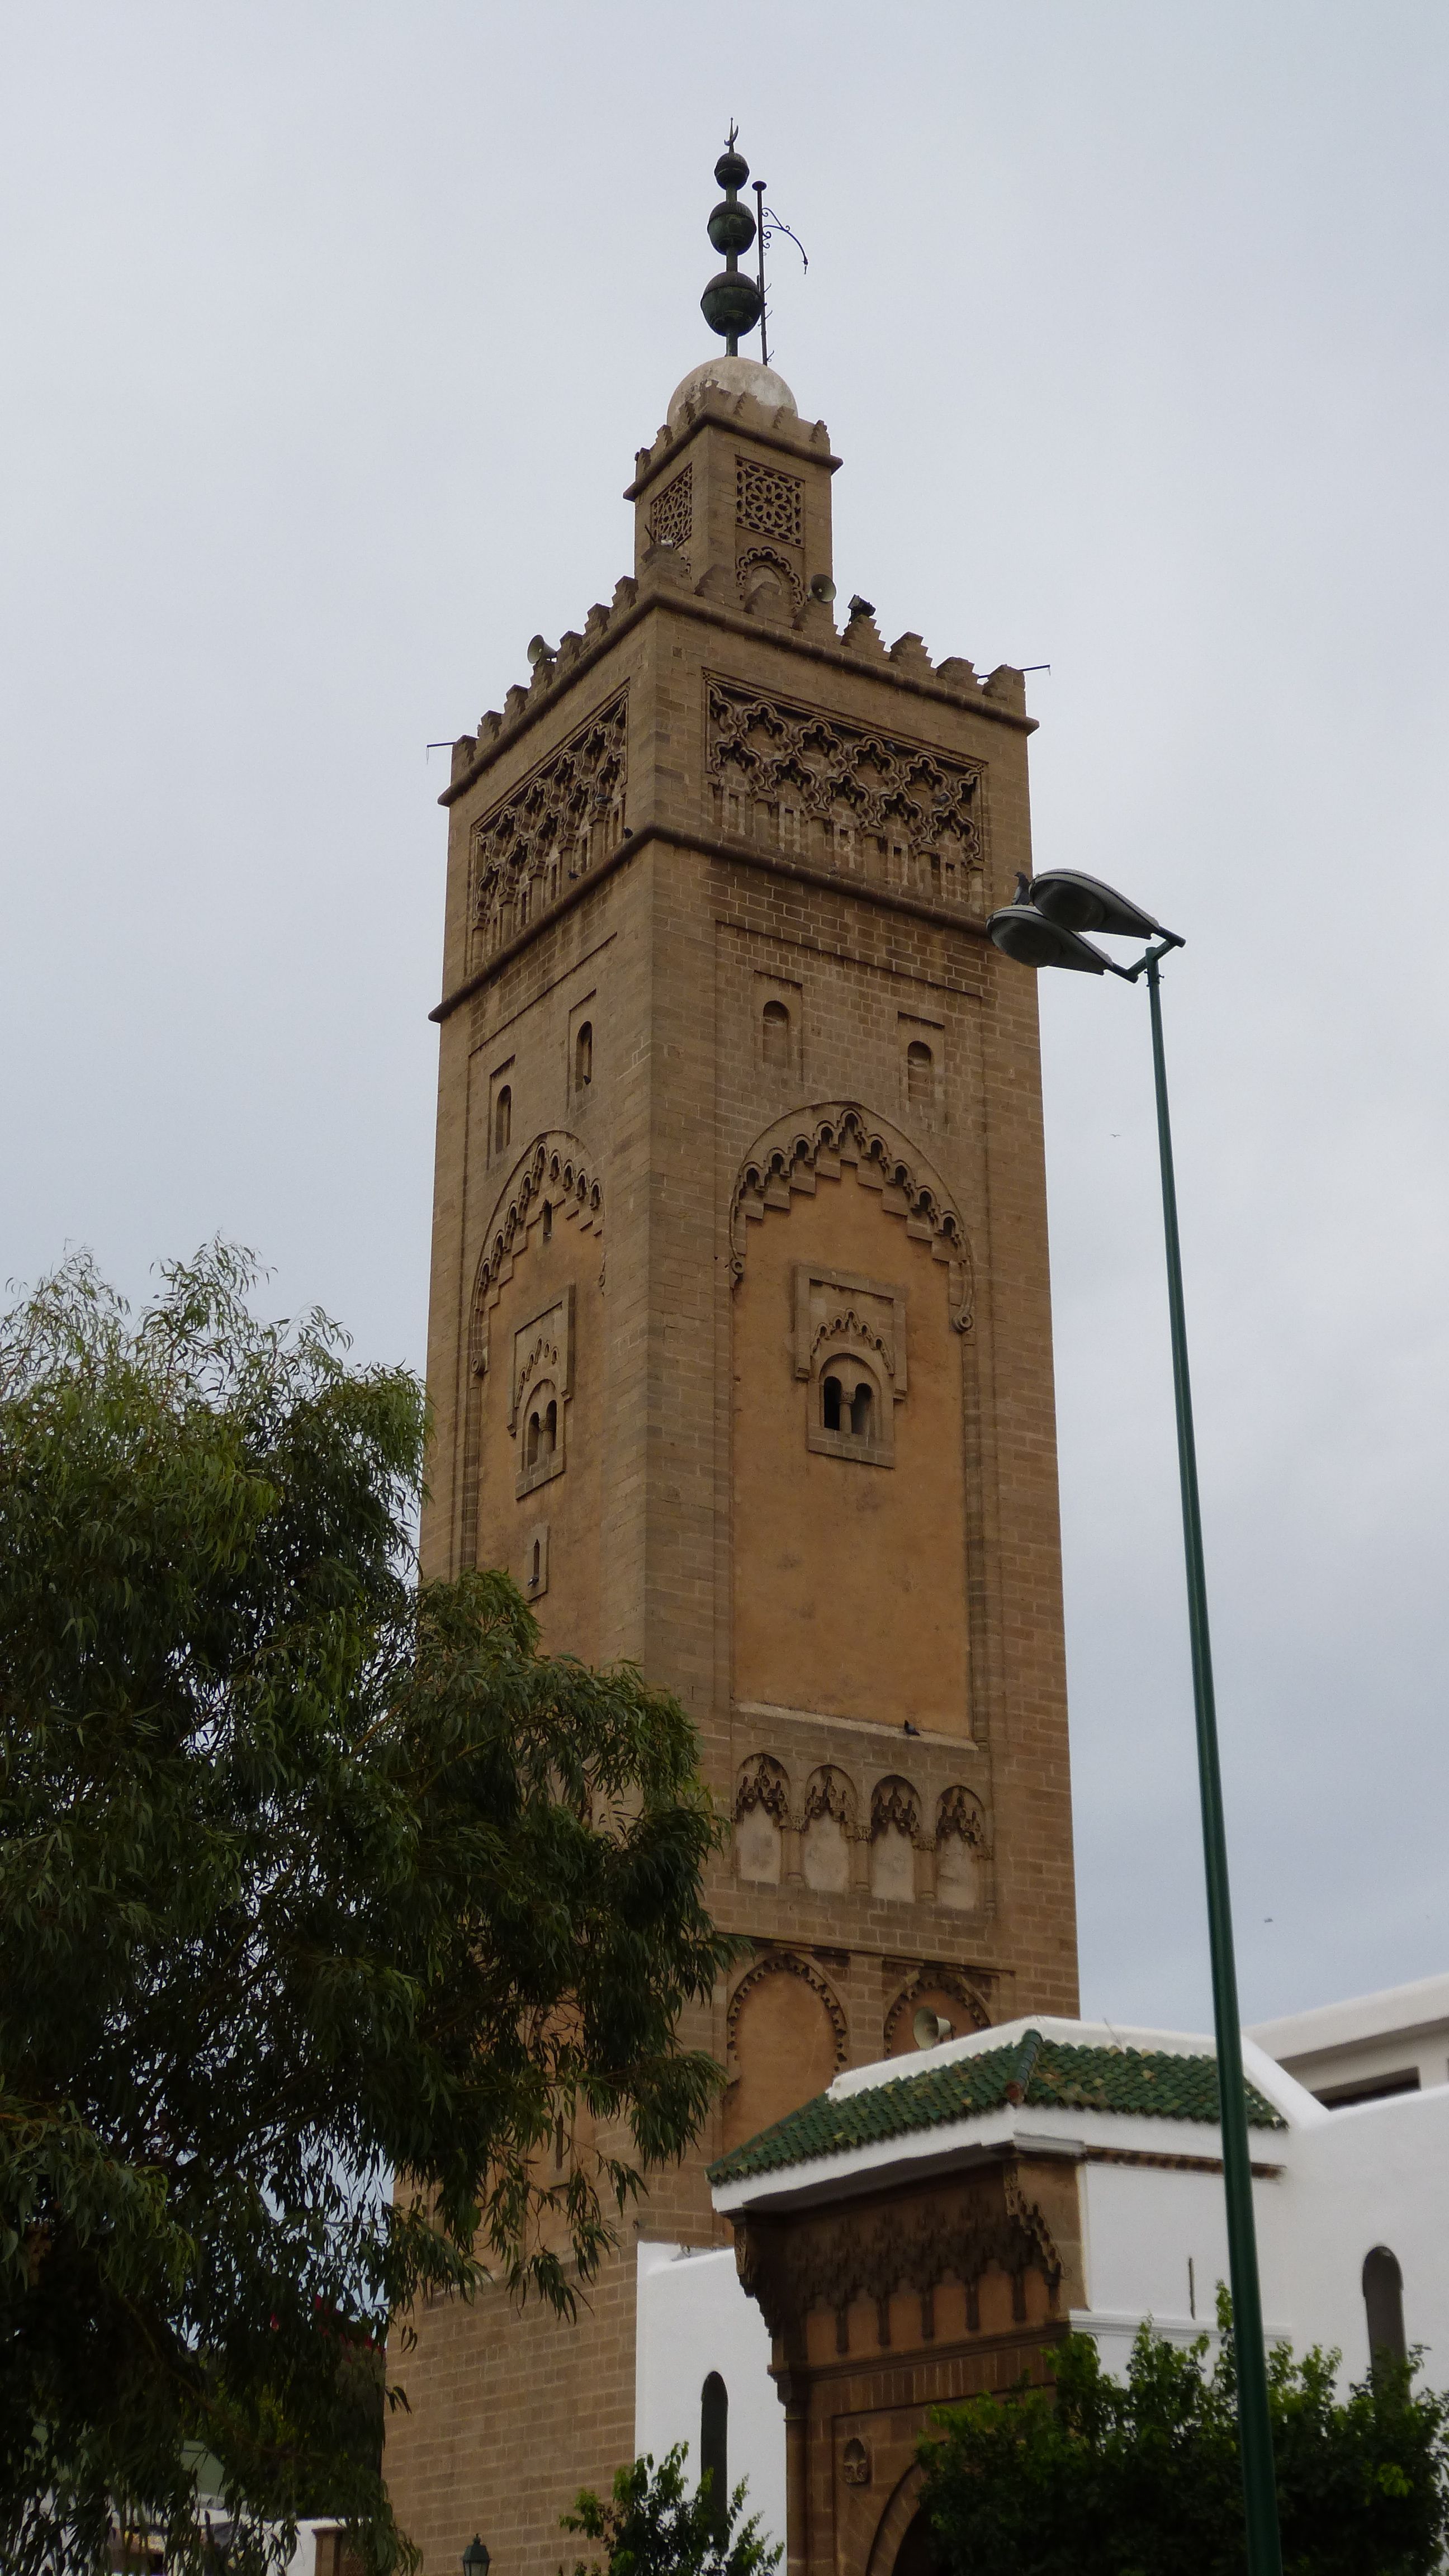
732,302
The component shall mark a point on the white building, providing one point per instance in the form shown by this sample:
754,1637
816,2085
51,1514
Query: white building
1336,2190
1373,2045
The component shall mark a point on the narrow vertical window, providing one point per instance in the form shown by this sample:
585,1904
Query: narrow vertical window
502,1119
776,1035
830,1404
860,1411
919,1070
1383,2299
531,1446
536,1569
714,2463
550,1433
584,1056
548,1220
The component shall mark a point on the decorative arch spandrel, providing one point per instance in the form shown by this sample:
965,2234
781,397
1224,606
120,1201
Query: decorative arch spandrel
814,1143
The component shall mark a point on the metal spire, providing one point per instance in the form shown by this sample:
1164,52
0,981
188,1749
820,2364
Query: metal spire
732,302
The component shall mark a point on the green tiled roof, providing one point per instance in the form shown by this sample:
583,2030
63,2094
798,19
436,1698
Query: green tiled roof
1038,2072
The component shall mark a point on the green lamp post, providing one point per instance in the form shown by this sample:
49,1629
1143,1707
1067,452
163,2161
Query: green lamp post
1045,927
475,2558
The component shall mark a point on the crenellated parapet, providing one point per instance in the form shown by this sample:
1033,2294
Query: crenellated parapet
777,423
732,522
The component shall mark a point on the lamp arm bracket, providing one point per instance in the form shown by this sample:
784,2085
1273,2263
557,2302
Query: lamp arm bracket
1170,939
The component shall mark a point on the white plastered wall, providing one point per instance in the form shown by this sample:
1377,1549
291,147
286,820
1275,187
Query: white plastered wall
1360,2177
693,2318
1350,2179
1402,2029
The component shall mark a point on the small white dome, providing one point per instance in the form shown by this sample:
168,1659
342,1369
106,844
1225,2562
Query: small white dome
733,376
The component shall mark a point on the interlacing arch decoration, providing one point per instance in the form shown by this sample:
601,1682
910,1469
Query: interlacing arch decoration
562,819
552,1173
830,1792
763,1782
903,810
816,1144
929,1980
895,1803
786,1963
959,1811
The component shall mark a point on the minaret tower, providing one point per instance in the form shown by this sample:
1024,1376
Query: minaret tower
740,1341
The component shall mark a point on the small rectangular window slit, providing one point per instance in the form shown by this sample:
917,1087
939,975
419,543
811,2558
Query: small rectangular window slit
535,1561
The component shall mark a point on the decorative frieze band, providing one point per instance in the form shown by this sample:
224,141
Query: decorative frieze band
810,786
561,820
829,2262
895,1805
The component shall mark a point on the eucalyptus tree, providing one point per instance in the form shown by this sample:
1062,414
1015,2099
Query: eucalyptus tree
310,1876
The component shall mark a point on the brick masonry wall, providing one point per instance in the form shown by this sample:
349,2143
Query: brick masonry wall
673,946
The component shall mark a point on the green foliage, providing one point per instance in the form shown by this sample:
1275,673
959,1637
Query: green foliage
308,1876
1142,2478
652,2525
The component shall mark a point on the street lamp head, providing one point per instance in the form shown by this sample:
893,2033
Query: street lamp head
475,2558
1075,902
1027,936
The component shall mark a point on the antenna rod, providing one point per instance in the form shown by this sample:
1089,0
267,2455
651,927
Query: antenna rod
759,188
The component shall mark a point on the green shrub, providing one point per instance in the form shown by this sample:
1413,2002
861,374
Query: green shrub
1141,2477
653,2525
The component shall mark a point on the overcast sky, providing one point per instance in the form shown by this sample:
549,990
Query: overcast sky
330,332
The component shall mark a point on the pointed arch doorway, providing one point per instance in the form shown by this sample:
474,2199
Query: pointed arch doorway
919,2553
